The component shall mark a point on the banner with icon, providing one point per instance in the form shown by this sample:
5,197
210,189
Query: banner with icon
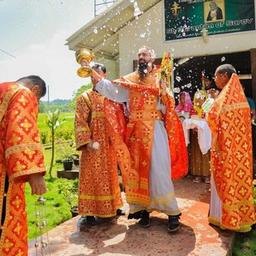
192,18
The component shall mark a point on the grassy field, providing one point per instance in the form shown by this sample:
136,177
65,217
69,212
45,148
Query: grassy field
57,208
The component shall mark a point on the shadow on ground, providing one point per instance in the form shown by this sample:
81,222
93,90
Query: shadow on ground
134,240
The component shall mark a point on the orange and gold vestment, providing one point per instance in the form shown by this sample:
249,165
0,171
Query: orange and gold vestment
100,120
231,157
143,100
20,155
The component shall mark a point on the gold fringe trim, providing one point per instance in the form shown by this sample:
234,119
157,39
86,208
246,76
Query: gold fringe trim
26,172
243,229
98,215
141,201
237,205
23,147
81,144
96,198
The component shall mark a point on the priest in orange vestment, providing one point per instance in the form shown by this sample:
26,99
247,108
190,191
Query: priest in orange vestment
21,159
155,140
99,127
231,205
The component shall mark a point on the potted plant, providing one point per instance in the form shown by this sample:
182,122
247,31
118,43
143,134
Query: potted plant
66,153
76,159
67,163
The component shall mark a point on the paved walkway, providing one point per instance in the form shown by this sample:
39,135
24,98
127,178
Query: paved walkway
126,238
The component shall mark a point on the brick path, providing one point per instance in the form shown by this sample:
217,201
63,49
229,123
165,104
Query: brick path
125,238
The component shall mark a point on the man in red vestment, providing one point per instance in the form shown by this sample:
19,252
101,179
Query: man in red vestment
99,127
155,139
21,159
229,118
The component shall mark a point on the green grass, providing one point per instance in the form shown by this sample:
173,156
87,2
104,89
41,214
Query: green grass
57,208
245,244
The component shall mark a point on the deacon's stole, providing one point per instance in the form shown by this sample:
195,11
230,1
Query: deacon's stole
143,97
231,156
20,155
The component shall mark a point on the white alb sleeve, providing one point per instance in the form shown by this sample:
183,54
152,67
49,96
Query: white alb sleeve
112,91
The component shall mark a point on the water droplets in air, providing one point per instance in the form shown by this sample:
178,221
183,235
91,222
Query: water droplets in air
143,35
176,90
178,78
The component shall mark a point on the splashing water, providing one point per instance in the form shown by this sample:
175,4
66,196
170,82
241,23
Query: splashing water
178,78
223,59
176,90
143,35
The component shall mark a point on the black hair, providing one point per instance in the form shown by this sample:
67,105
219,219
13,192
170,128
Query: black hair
227,69
100,66
35,80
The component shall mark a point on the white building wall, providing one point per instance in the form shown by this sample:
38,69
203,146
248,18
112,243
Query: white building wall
112,67
149,30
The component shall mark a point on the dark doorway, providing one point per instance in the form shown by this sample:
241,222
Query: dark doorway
188,71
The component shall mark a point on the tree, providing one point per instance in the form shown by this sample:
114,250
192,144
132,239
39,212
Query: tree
77,93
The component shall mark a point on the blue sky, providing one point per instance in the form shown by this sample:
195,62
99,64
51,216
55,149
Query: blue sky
34,32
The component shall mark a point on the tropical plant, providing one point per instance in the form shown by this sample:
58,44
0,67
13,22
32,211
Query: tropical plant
66,150
53,122
70,192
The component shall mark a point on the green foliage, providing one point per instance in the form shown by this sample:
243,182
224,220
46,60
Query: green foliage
77,93
62,105
65,150
41,107
70,191
45,137
53,122
244,243
65,131
56,209
53,119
